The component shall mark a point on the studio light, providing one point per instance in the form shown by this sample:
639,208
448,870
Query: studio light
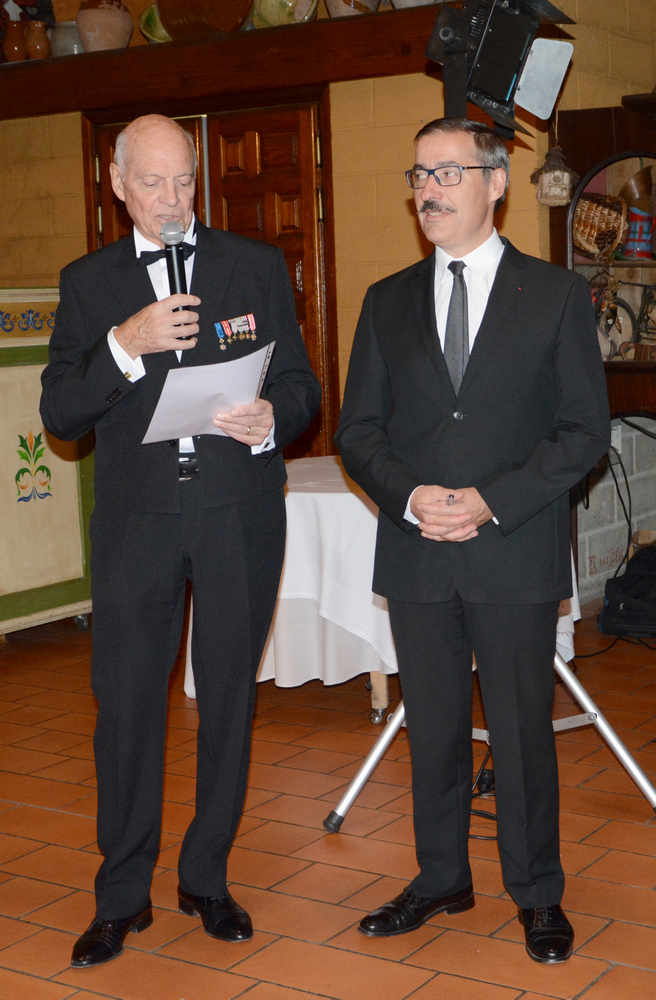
490,56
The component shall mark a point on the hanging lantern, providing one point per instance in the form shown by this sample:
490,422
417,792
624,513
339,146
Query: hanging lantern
554,179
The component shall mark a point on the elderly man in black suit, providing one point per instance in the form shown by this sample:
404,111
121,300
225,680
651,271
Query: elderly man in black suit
208,509
475,399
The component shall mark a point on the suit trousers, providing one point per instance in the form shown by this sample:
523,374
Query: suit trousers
514,646
140,565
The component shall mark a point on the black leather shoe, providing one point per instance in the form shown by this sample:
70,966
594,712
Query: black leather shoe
222,917
408,911
103,939
549,934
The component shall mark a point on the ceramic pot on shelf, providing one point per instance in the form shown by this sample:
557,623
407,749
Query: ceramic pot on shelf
346,8
65,39
36,40
271,13
104,24
13,43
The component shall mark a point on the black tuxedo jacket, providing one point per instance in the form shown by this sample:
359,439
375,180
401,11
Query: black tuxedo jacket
530,419
84,388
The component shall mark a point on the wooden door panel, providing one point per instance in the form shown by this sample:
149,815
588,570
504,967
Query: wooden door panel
263,182
278,151
243,215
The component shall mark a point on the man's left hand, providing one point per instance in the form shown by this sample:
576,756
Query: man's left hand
472,503
250,424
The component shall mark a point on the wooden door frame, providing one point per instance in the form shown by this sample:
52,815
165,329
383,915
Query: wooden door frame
328,372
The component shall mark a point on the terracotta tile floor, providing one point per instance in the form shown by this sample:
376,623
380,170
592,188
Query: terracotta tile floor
307,889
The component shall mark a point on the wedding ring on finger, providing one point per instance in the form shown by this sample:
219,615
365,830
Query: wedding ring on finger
248,429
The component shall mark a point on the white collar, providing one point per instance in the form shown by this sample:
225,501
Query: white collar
480,260
141,244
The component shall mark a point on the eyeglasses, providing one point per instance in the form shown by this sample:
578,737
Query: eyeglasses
445,176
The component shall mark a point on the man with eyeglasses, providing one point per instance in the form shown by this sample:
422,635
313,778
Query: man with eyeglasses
475,399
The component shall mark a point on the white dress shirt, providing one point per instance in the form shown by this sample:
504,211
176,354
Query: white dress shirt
479,274
133,368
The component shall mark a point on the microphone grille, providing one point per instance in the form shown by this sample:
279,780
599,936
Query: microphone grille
171,233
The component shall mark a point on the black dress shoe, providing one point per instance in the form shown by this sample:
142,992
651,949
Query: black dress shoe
222,917
408,911
549,934
103,939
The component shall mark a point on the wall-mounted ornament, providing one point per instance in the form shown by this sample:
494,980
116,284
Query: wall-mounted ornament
554,179
32,480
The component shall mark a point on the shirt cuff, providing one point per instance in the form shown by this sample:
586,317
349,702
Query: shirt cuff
132,368
267,445
408,515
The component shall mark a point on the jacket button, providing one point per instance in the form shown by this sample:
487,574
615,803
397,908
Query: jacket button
457,415
171,443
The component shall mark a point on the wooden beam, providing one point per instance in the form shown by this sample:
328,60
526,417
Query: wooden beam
644,103
352,48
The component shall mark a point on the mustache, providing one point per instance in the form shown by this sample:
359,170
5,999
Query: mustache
431,205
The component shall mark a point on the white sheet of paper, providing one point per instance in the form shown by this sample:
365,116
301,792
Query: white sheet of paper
191,397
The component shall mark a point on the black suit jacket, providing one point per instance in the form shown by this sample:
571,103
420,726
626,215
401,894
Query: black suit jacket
84,388
530,420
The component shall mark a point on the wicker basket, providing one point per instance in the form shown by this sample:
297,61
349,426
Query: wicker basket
599,225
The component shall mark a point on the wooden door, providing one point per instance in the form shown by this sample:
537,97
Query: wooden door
109,221
264,181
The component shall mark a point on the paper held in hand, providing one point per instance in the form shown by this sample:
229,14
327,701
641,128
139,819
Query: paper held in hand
192,397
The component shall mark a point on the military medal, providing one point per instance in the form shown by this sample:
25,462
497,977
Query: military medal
239,328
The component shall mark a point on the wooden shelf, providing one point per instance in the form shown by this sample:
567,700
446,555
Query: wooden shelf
631,388
644,103
304,55
626,264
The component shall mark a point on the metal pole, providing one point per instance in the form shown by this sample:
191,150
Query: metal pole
333,822
608,733
593,717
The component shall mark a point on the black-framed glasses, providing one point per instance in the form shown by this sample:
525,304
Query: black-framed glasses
447,176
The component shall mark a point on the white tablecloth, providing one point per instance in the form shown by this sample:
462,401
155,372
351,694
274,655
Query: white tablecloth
328,624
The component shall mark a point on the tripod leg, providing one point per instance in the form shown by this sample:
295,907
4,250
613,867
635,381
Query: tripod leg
608,733
333,822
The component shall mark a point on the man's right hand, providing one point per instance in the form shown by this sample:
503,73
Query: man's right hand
439,521
156,328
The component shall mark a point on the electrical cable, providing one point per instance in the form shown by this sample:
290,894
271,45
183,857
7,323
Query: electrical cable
637,427
477,795
627,513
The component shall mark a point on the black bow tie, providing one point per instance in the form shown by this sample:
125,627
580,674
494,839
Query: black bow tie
150,256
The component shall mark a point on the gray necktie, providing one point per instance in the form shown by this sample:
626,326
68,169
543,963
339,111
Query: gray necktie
456,337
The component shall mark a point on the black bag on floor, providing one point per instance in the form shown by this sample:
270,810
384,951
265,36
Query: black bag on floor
630,600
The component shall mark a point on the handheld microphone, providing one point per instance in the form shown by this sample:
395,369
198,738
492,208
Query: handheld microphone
172,236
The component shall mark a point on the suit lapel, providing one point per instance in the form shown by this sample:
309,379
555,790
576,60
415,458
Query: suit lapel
501,307
130,282
213,267
423,298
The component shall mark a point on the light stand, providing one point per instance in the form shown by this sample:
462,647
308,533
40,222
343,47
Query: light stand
590,717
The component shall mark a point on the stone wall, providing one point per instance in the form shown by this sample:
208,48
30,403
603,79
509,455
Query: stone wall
603,530
42,216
